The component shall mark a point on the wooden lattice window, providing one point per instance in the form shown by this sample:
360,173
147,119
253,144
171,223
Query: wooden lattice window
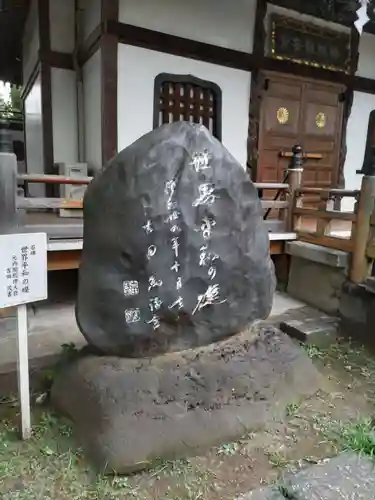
186,98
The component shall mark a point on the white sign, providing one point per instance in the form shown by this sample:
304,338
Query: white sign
23,279
23,268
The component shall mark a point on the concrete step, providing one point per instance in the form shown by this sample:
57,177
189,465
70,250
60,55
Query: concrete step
310,326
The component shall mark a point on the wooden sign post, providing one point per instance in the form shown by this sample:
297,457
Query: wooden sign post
23,279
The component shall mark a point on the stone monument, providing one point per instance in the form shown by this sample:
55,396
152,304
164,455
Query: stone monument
175,271
175,252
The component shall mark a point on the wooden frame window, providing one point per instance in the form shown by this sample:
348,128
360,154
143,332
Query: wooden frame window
186,98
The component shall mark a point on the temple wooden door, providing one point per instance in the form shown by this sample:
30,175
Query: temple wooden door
300,111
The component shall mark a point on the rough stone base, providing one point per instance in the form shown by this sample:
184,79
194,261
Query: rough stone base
129,412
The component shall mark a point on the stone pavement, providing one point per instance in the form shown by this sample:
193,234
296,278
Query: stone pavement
345,477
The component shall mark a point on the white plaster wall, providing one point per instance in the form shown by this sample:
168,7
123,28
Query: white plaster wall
92,111
90,16
34,136
363,103
137,69
64,115
224,23
30,42
366,62
62,29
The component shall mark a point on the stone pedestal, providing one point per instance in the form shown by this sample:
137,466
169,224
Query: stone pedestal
130,412
317,275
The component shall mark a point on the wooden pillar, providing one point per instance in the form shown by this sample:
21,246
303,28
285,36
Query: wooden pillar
8,192
8,207
256,89
360,267
109,76
46,88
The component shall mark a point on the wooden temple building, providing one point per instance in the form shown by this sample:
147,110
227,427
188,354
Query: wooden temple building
262,75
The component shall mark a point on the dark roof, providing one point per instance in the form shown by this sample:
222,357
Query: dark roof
12,19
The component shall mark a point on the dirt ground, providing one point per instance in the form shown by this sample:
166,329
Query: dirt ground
51,466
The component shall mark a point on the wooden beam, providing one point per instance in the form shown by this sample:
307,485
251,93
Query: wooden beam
57,59
8,191
48,203
277,205
324,214
90,45
347,98
360,268
54,179
175,45
46,85
277,247
109,78
62,260
178,46
326,241
352,193
27,86
256,89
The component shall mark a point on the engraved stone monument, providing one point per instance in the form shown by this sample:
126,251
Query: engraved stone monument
175,258
175,252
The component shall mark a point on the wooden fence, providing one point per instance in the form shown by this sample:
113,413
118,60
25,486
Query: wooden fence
288,204
57,203
358,225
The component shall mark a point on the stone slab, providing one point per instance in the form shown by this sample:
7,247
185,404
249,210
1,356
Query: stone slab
346,477
262,494
129,412
316,253
320,331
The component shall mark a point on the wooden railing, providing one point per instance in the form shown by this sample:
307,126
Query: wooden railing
63,203
323,216
51,203
359,239
292,212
